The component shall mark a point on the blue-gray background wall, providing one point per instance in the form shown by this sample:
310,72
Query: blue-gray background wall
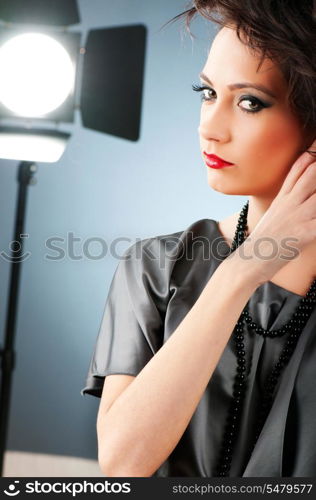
103,187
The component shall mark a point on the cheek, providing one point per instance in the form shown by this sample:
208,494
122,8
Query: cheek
273,143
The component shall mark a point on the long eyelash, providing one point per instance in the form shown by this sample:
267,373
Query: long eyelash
198,88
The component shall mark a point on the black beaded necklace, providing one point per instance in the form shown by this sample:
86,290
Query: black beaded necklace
292,329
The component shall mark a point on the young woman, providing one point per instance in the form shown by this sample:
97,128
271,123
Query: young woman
206,357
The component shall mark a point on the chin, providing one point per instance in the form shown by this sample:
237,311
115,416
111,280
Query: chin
228,187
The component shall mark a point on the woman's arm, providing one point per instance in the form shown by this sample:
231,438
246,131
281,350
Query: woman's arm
144,424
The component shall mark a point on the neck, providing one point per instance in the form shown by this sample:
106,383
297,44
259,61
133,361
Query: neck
257,207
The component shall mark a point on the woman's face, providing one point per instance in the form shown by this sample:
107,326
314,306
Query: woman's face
262,143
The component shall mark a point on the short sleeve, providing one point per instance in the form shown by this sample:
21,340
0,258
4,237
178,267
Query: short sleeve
131,330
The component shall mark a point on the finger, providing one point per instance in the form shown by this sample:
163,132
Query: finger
309,207
297,169
306,184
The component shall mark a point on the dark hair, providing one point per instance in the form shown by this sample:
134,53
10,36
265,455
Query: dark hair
283,30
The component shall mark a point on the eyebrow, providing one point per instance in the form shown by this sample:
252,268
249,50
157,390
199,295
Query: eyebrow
242,85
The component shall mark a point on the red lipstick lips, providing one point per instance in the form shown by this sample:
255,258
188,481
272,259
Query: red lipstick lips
214,161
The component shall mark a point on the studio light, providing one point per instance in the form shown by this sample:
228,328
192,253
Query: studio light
37,92
50,69
48,74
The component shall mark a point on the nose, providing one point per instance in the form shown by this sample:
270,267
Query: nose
215,123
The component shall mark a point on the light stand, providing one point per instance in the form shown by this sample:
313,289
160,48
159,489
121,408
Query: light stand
26,171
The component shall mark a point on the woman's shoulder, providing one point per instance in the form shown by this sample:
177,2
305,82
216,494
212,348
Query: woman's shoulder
158,254
167,242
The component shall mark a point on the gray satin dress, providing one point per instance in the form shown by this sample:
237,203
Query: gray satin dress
154,286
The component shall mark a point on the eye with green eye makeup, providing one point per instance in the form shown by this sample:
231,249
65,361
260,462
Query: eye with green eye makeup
254,100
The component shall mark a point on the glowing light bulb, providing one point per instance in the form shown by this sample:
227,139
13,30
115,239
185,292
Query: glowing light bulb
37,74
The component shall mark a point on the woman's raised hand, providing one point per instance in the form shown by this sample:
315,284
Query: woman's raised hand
289,224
